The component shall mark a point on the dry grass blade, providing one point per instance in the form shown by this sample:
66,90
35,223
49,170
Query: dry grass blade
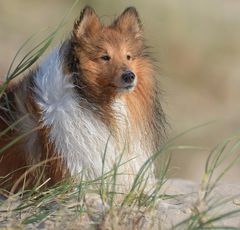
202,214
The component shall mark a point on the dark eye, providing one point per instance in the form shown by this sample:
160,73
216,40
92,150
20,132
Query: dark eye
105,57
128,57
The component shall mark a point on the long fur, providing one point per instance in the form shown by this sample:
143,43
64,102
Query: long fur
74,109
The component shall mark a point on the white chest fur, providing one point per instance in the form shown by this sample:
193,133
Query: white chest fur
78,135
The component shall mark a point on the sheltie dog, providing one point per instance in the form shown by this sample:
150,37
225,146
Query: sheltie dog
95,96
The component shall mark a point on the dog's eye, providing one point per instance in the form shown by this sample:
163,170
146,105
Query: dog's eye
129,57
105,57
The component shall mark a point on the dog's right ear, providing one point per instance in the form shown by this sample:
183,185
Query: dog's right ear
129,22
87,25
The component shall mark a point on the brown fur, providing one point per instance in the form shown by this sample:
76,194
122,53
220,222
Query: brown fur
97,81
19,168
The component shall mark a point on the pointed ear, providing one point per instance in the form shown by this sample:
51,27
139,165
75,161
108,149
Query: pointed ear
129,21
88,23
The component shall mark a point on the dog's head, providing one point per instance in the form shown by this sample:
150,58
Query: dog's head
108,59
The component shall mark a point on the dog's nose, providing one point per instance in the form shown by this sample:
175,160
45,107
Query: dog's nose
128,77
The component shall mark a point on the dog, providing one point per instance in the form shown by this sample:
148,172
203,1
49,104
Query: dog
93,102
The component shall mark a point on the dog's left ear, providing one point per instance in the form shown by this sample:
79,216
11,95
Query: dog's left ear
88,24
129,22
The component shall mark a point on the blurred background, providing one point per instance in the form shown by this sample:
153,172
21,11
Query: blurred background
197,48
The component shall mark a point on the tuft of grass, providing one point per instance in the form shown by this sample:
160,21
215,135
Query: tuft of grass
202,216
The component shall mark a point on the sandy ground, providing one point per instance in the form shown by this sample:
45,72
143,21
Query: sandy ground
167,214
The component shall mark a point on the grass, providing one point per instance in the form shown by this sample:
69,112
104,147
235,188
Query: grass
97,199
202,217
97,204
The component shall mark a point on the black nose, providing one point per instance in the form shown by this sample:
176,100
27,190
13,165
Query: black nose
128,77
